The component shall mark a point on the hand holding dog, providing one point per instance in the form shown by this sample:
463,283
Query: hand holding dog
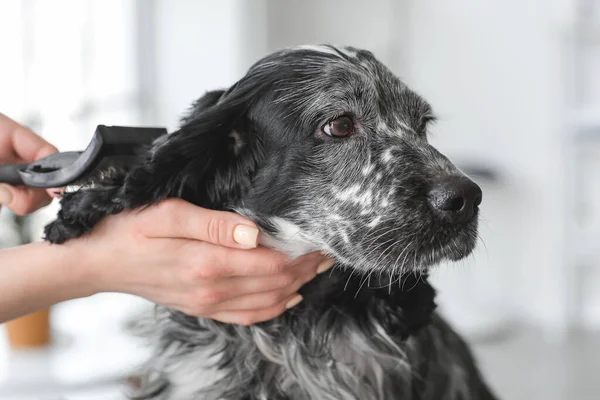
202,262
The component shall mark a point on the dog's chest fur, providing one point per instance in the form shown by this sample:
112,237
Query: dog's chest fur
369,344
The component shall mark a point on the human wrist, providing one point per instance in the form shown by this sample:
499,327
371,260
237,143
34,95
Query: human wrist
76,262
37,276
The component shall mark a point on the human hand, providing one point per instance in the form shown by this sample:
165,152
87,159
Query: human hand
20,145
199,261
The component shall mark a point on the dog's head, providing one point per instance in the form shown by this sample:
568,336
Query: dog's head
327,150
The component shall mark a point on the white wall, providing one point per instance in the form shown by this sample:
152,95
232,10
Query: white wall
491,69
200,46
364,24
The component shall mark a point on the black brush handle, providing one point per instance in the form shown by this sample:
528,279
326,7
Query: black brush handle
10,173
110,144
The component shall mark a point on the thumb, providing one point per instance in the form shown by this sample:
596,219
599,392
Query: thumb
23,200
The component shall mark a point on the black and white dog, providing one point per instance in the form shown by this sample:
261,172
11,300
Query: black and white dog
326,150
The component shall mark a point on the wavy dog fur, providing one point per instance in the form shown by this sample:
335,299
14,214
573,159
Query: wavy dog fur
366,330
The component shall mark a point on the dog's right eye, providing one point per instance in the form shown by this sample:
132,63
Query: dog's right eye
339,127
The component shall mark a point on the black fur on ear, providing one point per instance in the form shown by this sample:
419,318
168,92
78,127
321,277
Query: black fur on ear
210,160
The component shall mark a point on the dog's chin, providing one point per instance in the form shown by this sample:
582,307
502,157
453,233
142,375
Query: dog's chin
461,252
458,246
453,247
426,252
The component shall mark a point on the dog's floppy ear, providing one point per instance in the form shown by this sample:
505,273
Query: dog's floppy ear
210,158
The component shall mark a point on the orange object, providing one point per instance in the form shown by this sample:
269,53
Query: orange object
30,331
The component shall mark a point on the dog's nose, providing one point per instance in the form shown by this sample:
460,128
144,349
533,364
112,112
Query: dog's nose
456,199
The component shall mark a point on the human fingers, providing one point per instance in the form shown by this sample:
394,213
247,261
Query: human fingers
251,317
175,218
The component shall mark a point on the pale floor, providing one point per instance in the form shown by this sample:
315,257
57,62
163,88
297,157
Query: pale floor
525,367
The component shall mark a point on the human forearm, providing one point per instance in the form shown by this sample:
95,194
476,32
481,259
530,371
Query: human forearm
202,262
38,275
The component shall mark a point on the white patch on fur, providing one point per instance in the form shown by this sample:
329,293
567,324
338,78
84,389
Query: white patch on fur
346,194
382,127
289,239
366,198
345,236
374,222
368,169
404,128
385,201
353,195
386,157
238,142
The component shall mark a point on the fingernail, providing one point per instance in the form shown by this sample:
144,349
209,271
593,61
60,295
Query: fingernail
325,265
5,195
293,302
246,235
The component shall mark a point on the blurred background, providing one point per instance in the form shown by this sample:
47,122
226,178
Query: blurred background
516,86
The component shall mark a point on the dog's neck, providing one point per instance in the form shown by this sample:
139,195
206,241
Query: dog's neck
406,300
406,303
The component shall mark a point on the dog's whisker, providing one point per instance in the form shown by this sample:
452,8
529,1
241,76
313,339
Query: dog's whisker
348,280
362,282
